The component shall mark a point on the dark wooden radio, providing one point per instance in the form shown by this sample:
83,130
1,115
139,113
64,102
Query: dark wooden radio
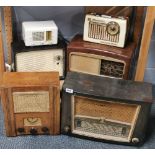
31,103
105,109
101,60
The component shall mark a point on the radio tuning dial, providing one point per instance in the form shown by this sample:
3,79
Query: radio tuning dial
45,129
113,28
135,140
20,130
33,131
58,57
66,128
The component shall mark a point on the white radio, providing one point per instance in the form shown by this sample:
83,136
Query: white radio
37,33
105,30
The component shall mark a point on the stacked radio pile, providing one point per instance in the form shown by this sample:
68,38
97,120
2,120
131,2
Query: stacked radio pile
93,106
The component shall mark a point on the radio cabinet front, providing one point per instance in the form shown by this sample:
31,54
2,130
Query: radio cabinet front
40,59
101,60
31,107
100,108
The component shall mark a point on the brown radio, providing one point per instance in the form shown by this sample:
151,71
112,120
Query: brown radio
100,59
31,103
105,109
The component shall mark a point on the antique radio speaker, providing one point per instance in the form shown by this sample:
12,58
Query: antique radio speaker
105,109
40,58
39,33
105,29
31,103
101,60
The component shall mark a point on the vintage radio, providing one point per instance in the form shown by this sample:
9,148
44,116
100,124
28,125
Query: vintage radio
31,103
105,30
40,58
105,109
100,59
39,33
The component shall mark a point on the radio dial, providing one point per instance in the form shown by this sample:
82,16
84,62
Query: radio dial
113,28
21,130
33,131
45,129
66,128
135,140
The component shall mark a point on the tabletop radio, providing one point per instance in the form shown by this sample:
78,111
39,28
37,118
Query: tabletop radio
105,29
31,103
40,58
101,60
37,33
105,109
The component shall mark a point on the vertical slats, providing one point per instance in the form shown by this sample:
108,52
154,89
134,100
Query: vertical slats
2,66
8,30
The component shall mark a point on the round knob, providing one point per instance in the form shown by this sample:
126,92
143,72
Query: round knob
21,130
66,128
33,131
45,129
135,140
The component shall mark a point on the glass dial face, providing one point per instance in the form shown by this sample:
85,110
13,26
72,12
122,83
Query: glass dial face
113,28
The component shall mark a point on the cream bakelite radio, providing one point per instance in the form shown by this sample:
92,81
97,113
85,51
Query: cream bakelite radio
39,58
37,33
105,30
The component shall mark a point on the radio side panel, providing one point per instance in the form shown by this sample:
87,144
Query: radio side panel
7,105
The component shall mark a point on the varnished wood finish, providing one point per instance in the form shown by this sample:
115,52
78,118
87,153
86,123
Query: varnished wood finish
137,96
44,122
109,10
122,54
145,43
8,30
15,82
24,79
2,67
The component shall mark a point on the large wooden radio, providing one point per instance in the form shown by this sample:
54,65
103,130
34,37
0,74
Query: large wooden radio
40,58
105,109
101,60
31,103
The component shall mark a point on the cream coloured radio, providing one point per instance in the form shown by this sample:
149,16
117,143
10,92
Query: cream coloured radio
105,30
37,33
39,58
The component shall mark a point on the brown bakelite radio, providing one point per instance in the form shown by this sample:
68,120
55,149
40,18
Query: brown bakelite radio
31,103
105,109
101,60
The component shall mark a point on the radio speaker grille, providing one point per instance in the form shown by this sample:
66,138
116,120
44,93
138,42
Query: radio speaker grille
98,31
38,36
111,68
35,61
31,101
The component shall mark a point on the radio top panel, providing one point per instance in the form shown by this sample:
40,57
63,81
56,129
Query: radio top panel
78,45
23,79
108,88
